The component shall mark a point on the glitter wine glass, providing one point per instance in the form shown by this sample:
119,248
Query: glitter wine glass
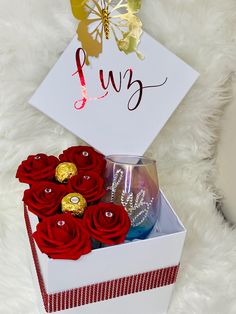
132,181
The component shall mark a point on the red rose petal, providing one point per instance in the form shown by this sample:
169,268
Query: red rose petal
68,241
108,230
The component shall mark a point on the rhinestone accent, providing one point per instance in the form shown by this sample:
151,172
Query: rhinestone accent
85,154
135,222
135,205
37,157
115,182
86,177
132,206
109,214
47,190
61,223
74,200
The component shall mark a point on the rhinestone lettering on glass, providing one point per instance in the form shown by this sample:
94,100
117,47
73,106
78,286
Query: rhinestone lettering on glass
138,204
116,181
135,205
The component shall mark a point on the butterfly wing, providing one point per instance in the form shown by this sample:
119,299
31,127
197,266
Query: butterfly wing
90,28
130,27
126,26
134,5
79,9
91,41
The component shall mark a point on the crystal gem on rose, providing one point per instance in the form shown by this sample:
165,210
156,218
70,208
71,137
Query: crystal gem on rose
61,223
109,214
86,177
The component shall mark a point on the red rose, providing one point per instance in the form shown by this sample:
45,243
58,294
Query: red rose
62,237
107,223
84,157
36,168
44,198
89,184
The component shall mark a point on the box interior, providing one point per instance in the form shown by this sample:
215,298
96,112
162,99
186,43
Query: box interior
161,249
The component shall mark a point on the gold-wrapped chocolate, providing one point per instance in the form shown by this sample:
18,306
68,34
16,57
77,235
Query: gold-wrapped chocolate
74,203
64,171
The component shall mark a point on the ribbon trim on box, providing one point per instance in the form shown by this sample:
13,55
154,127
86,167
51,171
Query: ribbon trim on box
101,291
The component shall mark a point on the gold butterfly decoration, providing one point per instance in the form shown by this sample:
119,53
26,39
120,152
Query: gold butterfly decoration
99,20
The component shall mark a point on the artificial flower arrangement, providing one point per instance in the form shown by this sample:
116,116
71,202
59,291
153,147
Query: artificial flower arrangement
66,194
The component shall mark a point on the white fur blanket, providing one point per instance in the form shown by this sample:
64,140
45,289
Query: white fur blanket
32,36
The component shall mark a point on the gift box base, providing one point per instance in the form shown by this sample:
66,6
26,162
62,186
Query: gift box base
146,287
153,301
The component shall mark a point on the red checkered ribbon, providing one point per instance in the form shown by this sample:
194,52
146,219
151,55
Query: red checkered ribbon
101,291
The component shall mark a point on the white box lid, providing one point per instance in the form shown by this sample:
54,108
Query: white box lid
107,124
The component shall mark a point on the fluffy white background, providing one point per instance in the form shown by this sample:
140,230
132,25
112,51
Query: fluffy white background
32,36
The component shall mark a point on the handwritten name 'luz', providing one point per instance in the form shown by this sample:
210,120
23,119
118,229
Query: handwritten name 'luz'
134,85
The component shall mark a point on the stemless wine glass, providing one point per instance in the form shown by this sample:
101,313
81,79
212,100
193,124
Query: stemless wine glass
132,181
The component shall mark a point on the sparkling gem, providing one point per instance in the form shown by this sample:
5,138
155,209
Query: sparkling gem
47,190
84,153
109,214
74,200
86,177
61,223
37,157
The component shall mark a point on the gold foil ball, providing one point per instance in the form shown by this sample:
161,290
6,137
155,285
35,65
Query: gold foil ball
74,203
64,171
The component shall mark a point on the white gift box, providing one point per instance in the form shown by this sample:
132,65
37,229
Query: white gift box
135,277
139,276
